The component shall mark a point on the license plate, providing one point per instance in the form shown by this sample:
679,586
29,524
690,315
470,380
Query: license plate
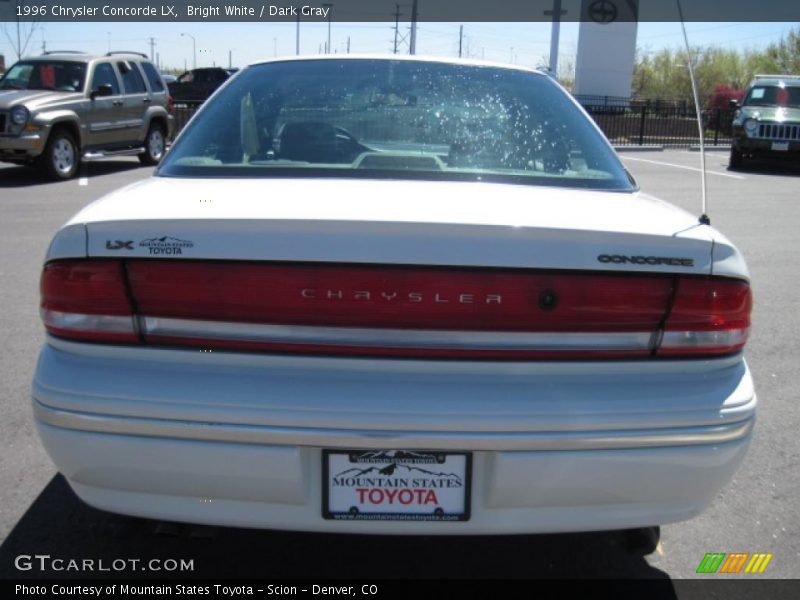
781,146
396,485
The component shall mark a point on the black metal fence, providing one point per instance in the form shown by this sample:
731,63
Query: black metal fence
636,122
183,111
625,122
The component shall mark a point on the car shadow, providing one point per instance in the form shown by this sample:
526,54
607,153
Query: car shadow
757,166
14,176
60,525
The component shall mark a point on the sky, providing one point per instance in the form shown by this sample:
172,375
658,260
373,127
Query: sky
522,43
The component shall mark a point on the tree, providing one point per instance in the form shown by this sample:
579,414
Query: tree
566,73
785,55
722,96
19,33
665,74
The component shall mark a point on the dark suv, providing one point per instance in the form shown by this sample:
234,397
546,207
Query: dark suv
198,84
767,124
63,107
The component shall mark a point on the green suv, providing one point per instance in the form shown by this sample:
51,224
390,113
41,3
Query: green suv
767,124
64,107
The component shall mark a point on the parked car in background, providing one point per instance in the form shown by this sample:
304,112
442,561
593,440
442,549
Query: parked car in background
168,78
64,107
198,84
767,123
394,296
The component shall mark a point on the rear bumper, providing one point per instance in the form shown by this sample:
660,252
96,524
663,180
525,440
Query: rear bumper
237,441
411,440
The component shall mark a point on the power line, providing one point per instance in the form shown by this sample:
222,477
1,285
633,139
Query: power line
678,33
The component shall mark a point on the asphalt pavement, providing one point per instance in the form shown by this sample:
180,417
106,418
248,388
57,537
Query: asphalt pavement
758,209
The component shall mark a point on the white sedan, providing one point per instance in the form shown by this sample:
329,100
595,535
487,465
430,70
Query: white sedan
403,296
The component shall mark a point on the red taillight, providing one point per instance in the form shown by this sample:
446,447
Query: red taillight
394,310
709,316
86,299
170,104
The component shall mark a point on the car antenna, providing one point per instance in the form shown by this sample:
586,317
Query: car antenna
704,216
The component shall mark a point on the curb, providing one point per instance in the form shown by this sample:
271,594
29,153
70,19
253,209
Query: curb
653,148
715,148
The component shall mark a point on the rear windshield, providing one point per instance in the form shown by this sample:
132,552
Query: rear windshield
396,119
773,95
60,76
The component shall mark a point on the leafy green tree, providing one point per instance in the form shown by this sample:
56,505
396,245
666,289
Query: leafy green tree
665,74
785,54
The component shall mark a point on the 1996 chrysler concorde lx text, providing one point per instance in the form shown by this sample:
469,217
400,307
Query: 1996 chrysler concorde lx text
385,295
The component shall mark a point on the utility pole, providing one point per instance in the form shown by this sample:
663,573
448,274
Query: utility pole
329,6
297,40
152,48
230,59
396,25
556,13
194,49
460,40
348,44
275,46
412,49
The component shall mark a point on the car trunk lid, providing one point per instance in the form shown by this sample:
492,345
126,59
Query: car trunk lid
394,222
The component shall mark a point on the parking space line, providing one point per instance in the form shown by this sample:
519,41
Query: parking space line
83,181
666,164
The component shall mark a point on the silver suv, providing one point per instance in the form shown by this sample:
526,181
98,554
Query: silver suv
63,107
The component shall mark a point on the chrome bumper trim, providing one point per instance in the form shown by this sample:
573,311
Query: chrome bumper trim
394,338
430,440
